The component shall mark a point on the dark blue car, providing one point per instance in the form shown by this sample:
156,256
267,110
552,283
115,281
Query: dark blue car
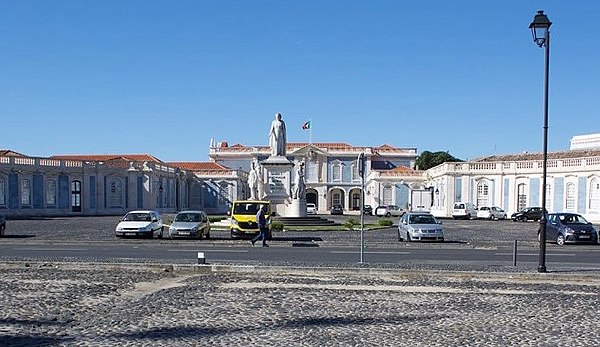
569,228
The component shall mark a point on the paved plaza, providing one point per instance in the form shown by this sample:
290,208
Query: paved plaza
138,305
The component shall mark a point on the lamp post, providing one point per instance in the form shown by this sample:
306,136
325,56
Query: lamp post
541,36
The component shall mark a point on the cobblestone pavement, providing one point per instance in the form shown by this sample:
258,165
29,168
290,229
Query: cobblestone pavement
102,305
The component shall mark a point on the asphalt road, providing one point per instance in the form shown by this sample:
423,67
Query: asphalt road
470,243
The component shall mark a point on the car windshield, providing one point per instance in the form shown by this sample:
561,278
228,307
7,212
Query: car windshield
188,217
421,219
459,206
246,209
572,219
138,217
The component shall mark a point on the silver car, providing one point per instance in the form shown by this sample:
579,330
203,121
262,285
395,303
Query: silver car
419,226
190,224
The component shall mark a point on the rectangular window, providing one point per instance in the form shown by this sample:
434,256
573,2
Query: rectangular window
570,198
51,193
355,174
2,191
311,172
26,192
337,173
521,197
336,199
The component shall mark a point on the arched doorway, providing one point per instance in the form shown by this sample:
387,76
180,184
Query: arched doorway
354,199
311,197
336,196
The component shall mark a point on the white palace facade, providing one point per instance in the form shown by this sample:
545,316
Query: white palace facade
72,185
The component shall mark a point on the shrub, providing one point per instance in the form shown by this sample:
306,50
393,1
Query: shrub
351,223
386,222
276,226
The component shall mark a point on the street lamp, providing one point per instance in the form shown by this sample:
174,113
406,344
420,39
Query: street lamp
541,36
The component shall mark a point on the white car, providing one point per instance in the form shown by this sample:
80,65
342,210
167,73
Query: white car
464,210
140,223
389,211
190,224
311,208
492,213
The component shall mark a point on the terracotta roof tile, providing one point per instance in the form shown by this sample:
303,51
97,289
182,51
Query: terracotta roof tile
106,157
199,166
540,156
9,153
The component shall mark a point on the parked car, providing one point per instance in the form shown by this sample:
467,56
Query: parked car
526,214
368,209
2,225
491,213
190,224
140,223
419,226
336,209
464,210
569,228
311,208
389,211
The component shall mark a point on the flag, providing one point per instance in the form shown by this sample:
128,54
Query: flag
306,125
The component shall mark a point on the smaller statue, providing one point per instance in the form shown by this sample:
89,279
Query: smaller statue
299,186
253,181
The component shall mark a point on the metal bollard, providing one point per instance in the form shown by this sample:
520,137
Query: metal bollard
201,259
515,253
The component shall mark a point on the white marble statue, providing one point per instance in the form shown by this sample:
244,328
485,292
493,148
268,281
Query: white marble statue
261,182
299,186
277,136
253,181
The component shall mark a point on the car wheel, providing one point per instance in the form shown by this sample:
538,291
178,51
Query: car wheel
160,235
400,237
2,229
207,234
233,237
560,240
388,214
408,238
523,219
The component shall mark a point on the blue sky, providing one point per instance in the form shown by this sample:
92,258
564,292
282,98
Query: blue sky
164,77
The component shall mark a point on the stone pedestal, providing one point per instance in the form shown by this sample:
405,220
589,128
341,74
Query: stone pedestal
278,177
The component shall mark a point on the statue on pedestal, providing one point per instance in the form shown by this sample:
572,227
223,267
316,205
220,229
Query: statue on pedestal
277,136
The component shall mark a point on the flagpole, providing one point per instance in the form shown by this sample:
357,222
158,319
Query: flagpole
310,132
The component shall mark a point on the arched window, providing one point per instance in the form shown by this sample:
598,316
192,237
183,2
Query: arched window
570,197
2,191
115,193
483,194
387,196
521,196
51,193
594,194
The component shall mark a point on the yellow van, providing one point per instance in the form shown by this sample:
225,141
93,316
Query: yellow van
243,217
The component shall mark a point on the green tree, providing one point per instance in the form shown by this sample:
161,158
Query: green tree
428,159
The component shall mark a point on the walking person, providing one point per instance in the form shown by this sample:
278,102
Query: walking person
261,220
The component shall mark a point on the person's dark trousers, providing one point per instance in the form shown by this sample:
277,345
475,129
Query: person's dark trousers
262,235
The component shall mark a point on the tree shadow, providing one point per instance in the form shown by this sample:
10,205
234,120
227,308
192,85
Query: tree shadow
16,236
321,322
